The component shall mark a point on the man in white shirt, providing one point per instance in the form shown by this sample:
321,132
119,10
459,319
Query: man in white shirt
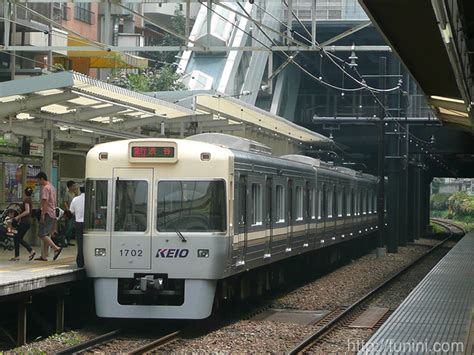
77,208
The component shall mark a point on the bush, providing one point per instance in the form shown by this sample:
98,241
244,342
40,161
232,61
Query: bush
439,202
461,204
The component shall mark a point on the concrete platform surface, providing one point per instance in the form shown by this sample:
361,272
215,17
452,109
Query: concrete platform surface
24,276
437,317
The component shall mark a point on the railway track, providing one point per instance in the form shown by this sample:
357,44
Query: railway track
91,343
344,315
100,343
341,315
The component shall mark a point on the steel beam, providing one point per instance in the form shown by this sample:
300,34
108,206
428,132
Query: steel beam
21,322
88,113
346,33
37,83
75,137
403,210
59,313
48,143
90,128
394,172
363,48
262,26
32,103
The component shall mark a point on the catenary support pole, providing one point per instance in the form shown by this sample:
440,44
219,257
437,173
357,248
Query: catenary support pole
381,171
403,210
393,189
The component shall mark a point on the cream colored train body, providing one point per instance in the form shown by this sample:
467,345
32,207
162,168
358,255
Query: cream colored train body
167,220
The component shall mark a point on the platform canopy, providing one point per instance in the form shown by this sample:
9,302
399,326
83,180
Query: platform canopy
83,111
435,40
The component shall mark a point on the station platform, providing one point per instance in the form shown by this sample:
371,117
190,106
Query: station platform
30,276
437,317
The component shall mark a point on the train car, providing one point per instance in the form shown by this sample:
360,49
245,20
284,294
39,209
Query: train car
169,220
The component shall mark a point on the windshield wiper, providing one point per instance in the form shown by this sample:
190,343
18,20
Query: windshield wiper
183,239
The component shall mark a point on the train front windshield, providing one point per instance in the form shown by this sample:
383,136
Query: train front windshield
185,206
191,206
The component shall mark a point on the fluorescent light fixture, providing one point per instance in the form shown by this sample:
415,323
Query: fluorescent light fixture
448,99
446,34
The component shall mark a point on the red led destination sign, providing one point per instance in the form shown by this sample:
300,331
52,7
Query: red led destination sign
152,152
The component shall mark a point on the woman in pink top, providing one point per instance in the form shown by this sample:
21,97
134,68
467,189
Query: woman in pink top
48,217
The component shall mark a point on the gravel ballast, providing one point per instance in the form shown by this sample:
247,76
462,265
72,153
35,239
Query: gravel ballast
338,288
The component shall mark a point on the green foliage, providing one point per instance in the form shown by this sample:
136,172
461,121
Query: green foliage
178,24
69,339
437,229
161,76
57,68
66,339
160,79
439,202
440,214
461,204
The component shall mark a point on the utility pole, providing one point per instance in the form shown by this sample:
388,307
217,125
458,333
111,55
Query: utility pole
381,166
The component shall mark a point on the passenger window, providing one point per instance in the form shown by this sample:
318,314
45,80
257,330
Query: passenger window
348,204
242,193
131,206
313,203
330,203
257,203
280,204
369,202
299,204
356,204
96,205
339,203
191,206
320,203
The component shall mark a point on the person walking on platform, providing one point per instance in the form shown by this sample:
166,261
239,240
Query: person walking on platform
48,217
77,209
23,225
69,195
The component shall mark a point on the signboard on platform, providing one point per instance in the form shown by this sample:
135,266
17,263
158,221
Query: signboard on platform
13,182
31,172
37,149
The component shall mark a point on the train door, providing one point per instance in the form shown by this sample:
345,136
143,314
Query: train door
290,214
324,215
269,208
131,222
307,213
242,227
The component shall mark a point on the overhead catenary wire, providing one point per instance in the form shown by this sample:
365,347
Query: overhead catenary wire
372,90
311,75
322,50
25,58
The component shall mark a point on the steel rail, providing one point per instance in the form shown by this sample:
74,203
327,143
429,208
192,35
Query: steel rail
156,343
311,339
82,347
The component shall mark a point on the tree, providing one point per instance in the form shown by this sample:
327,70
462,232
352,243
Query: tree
161,76
178,24
151,79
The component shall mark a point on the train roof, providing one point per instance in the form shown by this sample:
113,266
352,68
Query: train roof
232,142
256,154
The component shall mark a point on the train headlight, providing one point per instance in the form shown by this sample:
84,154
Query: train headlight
100,252
203,253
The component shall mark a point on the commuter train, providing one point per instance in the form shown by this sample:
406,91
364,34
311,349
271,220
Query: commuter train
168,222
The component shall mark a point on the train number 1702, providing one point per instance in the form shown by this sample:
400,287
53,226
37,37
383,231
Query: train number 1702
131,252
